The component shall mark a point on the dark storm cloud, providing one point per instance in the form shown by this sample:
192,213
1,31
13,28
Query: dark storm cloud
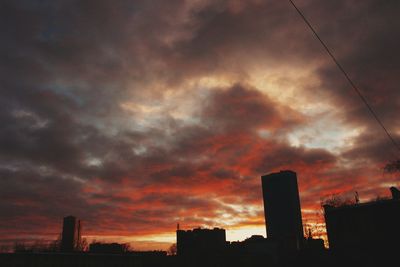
33,200
242,109
284,155
40,132
365,42
373,146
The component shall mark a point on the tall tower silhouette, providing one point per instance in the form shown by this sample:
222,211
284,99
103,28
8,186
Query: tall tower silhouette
71,234
282,208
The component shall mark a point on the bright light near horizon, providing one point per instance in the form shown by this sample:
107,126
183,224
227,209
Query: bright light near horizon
165,237
241,233
232,234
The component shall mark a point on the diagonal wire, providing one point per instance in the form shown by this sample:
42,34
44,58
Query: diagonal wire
364,100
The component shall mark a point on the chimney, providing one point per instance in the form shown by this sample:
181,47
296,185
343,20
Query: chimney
395,192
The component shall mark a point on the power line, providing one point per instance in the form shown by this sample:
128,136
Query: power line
363,99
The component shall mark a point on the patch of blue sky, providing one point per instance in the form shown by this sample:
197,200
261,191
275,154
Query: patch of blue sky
67,91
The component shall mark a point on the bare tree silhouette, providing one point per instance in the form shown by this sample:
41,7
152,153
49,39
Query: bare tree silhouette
172,250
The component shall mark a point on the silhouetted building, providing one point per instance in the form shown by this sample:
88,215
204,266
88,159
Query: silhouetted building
356,227
108,248
71,234
315,244
282,209
200,241
255,246
395,192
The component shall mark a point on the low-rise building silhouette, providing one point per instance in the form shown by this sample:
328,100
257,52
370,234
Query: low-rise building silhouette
315,244
255,246
200,241
372,225
71,234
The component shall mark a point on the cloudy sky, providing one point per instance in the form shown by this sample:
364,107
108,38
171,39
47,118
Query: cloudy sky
136,115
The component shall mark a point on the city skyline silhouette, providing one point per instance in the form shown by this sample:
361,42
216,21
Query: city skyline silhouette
365,233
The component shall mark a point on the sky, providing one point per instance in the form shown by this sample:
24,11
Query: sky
137,115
